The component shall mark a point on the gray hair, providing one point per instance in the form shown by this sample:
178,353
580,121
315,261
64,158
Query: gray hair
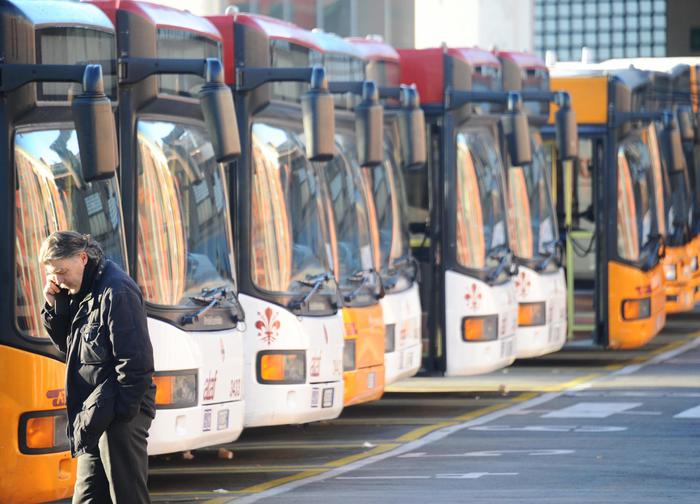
64,244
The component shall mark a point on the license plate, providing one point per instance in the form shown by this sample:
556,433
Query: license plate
315,395
407,360
507,348
206,423
327,401
371,380
222,420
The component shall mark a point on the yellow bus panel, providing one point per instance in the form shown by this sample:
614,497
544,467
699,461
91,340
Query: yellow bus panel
365,326
589,97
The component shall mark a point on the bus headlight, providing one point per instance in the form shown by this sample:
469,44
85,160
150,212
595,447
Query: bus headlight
532,314
349,355
281,366
389,340
480,328
635,309
176,390
671,271
43,432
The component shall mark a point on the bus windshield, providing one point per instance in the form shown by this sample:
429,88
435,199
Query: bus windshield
290,243
637,224
50,195
350,212
481,223
184,231
535,226
390,205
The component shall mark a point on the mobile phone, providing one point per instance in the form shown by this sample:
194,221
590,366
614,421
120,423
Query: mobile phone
62,302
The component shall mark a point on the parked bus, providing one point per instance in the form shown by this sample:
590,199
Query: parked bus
352,216
680,96
58,162
174,177
540,283
612,200
401,304
459,215
294,336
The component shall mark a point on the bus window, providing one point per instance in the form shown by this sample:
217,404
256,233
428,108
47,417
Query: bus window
184,240
657,175
482,228
627,232
288,240
52,196
518,192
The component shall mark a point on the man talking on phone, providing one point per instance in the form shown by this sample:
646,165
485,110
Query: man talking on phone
95,314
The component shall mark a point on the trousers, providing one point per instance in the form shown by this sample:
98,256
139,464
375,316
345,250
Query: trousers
116,470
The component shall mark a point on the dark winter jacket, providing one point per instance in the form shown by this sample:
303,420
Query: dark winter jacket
109,357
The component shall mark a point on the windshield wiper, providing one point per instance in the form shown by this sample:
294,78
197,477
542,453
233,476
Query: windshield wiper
505,260
211,297
315,282
654,245
363,276
554,254
498,252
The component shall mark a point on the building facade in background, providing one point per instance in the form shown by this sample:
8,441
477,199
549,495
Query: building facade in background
609,28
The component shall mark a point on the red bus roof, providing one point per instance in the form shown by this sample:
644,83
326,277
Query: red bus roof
161,15
523,59
278,29
372,49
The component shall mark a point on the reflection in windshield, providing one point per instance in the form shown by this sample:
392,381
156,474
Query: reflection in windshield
349,210
386,183
535,226
51,195
481,221
658,177
289,238
184,239
636,220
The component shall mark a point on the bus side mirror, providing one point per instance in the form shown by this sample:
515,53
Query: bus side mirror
676,157
686,124
95,127
319,118
566,129
517,131
411,128
216,101
369,126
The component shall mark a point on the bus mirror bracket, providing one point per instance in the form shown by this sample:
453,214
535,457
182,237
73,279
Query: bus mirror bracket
566,129
686,124
369,120
316,104
517,131
671,131
215,98
412,128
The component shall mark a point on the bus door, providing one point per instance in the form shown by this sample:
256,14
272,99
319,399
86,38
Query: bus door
50,184
174,176
294,339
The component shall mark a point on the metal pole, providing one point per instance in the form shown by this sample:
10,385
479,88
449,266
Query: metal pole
353,18
319,14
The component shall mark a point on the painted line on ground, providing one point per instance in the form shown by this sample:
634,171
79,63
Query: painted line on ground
293,482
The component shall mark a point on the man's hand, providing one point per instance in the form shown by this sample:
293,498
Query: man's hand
50,291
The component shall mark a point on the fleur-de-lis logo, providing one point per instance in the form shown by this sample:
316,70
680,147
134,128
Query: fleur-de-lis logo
267,325
522,283
473,297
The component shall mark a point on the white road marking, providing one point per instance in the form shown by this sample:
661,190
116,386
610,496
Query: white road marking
488,453
604,393
551,428
641,413
472,475
592,410
447,431
381,477
690,413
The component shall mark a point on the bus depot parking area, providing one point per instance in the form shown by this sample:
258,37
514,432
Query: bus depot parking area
581,425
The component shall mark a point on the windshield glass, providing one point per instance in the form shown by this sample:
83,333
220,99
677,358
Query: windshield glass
482,229
289,236
50,195
535,226
636,208
349,210
386,183
184,233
